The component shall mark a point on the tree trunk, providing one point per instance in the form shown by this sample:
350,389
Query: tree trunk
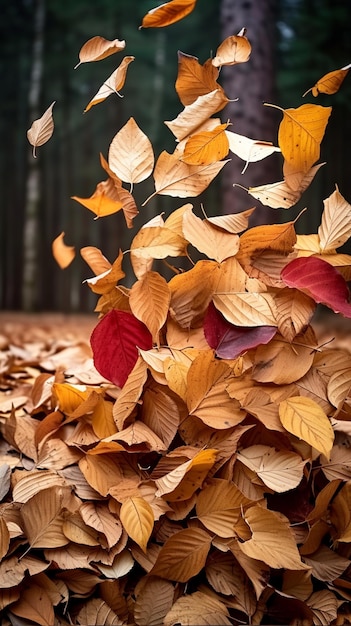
253,83
31,216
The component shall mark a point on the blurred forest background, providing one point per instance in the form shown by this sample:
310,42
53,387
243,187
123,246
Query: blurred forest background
294,43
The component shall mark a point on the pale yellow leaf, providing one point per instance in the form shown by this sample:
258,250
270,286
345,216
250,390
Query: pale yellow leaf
249,150
280,470
149,300
131,155
247,309
305,419
138,520
42,129
234,223
335,228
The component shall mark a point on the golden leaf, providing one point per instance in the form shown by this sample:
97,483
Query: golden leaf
330,83
130,394
234,223
193,79
294,310
207,238
177,179
160,412
104,201
305,419
62,253
42,129
138,520
168,13
98,48
195,114
101,472
131,155
219,506
191,293
149,300
95,259
108,279
154,243
206,147
181,483
98,517
272,540
113,84
335,228
234,49
183,555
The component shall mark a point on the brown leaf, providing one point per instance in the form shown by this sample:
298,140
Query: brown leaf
183,555
113,84
160,412
96,611
280,470
42,129
154,598
149,300
197,608
215,243
219,506
193,79
98,48
168,13
234,49
138,520
34,605
43,519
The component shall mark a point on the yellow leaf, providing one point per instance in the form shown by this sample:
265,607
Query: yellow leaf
160,412
105,282
247,309
42,129
138,520
62,253
234,49
195,114
330,83
206,147
193,79
177,179
149,300
294,311
280,470
191,293
181,483
176,375
101,472
104,201
272,540
300,134
154,242
207,238
305,419
131,155
183,555
113,84
98,48
168,13
335,228
219,506
234,223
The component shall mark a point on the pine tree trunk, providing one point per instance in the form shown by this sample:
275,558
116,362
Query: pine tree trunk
31,216
253,83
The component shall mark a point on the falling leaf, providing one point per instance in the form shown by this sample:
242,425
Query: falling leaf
131,155
234,49
335,228
149,300
195,114
249,150
194,79
234,223
154,242
115,342
138,520
183,555
113,84
304,418
98,48
62,253
206,147
108,279
168,13
41,130
215,243
329,83
104,201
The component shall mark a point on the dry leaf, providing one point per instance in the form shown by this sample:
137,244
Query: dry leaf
168,13
329,83
183,555
215,243
195,114
193,79
149,301
131,155
138,520
306,420
62,253
113,84
206,147
335,228
42,129
234,49
98,48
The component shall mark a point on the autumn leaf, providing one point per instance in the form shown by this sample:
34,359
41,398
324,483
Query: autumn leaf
194,79
215,243
198,607
138,520
279,470
41,130
335,227
206,147
154,599
62,253
219,506
149,300
168,13
98,48
34,605
305,419
104,201
113,84
196,113
247,309
234,49
131,154
330,83
249,150
183,555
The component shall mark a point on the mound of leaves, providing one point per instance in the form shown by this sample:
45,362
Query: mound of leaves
199,471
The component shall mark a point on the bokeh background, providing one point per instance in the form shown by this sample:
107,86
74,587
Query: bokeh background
295,42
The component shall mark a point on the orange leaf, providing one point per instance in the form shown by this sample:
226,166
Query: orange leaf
138,520
34,605
207,238
168,13
219,505
193,79
329,83
113,84
183,555
62,253
234,49
149,301
42,129
305,419
98,48
206,147
104,201
107,280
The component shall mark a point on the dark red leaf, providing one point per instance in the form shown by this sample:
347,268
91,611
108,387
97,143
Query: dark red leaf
115,342
230,341
321,281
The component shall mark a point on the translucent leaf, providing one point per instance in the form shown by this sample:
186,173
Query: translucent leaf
249,150
62,253
168,13
305,419
98,48
42,129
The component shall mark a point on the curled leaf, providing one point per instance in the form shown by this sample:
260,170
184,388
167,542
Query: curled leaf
98,48
113,84
42,129
168,13
234,49
62,253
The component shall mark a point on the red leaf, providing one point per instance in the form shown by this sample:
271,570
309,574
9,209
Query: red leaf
321,281
115,342
230,341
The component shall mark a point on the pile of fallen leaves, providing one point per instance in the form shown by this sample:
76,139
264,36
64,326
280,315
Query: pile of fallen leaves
193,464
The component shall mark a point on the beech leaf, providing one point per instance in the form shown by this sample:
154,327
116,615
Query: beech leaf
335,228
206,147
194,79
149,300
330,83
215,243
115,342
198,608
234,49
280,470
131,155
42,129
113,84
98,48
305,419
195,114
168,13
138,520
183,555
